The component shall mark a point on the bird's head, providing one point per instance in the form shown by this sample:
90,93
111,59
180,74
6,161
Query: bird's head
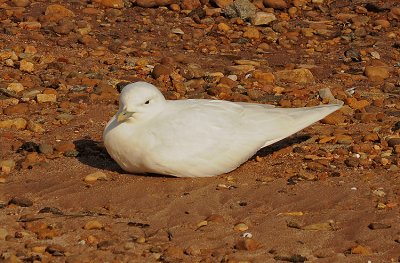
139,100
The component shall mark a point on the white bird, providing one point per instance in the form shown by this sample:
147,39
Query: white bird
196,137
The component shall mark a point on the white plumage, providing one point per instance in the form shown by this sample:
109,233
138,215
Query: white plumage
196,138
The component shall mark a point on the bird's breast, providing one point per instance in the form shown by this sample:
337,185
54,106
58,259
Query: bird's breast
124,145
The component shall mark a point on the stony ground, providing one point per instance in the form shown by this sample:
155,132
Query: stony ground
328,194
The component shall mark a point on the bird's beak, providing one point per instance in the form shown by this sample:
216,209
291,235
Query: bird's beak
124,115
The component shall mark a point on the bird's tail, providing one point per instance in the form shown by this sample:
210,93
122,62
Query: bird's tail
301,118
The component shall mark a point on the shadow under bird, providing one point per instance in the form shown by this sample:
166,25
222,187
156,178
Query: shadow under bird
196,137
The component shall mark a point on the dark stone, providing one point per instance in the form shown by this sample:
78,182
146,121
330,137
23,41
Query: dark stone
52,210
374,8
137,224
21,201
396,126
28,147
375,226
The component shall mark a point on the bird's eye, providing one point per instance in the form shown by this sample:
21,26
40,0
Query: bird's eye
147,102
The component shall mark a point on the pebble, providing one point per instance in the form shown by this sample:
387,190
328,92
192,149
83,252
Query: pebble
343,139
223,27
177,31
55,250
240,8
140,240
93,177
7,165
240,69
241,227
15,87
29,147
247,244
201,224
356,104
129,245
91,240
3,233
52,210
38,248
222,3
153,3
190,4
352,162
64,118
105,244
276,4
21,3
193,250
55,13
325,226
111,3
251,33
31,160
26,66
93,225
361,250
35,127
377,73
379,192
65,147
247,235
300,76
326,95
155,249
46,148
30,94
291,258
375,226
287,33
43,98
21,201
161,70
394,142
20,108
395,12
263,18
174,252
371,137
33,25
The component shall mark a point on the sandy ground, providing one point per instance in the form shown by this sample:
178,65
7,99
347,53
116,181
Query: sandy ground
330,193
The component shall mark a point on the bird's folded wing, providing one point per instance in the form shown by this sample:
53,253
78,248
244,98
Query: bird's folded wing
212,135
218,136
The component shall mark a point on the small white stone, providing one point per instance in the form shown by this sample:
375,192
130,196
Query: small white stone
233,77
375,55
247,235
177,31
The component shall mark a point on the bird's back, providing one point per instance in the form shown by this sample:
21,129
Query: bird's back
205,138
